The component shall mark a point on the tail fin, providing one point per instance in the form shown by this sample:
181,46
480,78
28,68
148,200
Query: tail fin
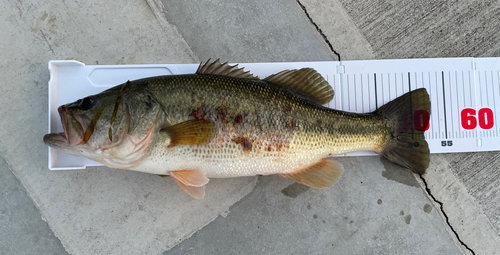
407,119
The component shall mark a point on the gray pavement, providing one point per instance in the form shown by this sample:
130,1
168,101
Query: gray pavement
23,229
376,208
246,32
364,213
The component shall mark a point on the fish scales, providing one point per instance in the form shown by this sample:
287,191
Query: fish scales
284,131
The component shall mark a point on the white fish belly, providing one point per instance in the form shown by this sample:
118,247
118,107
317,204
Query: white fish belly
230,161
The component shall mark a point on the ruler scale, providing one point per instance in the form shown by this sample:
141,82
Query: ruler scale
464,94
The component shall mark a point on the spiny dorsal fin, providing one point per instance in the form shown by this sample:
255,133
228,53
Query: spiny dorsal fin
216,68
305,81
191,132
324,173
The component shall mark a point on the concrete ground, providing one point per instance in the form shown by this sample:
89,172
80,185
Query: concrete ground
376,208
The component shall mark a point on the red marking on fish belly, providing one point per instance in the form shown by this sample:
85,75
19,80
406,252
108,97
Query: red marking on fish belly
223,111
198,114
293,124
247,145
269,148
238,119
283,146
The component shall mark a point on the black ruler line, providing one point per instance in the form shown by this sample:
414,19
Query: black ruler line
376,100
444,107
411,105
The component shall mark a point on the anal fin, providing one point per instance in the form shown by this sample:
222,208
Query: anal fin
321,174
191,181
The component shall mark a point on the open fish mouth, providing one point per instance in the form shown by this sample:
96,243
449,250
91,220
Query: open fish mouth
74,126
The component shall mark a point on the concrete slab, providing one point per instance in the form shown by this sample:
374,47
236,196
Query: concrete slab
478,172
468,212
337,29
98,210
242,31
23,230
416,29
364,213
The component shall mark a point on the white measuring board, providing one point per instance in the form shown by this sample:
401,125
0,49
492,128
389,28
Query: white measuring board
464,94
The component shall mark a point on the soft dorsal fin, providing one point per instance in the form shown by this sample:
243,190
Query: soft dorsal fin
305,81
216,68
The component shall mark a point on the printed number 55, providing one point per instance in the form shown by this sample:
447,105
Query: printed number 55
446,143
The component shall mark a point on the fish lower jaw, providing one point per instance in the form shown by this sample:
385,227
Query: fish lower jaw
56,140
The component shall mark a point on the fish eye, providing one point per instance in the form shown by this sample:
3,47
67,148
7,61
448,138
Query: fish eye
87,103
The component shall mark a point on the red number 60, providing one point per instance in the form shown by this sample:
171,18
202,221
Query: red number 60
469,121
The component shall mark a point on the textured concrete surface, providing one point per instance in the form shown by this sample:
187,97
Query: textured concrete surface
337,29
482,182
416,29
23,230
375,208
364,213
461,209
244,31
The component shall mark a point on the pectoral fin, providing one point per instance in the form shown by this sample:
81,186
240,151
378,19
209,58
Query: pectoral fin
321,174
191,132
191,181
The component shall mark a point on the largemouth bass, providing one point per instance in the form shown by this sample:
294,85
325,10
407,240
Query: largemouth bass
223,122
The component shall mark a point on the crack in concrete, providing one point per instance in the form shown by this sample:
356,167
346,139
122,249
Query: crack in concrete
318,29
445,215
45,38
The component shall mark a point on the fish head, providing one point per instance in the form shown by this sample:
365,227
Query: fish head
113,126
